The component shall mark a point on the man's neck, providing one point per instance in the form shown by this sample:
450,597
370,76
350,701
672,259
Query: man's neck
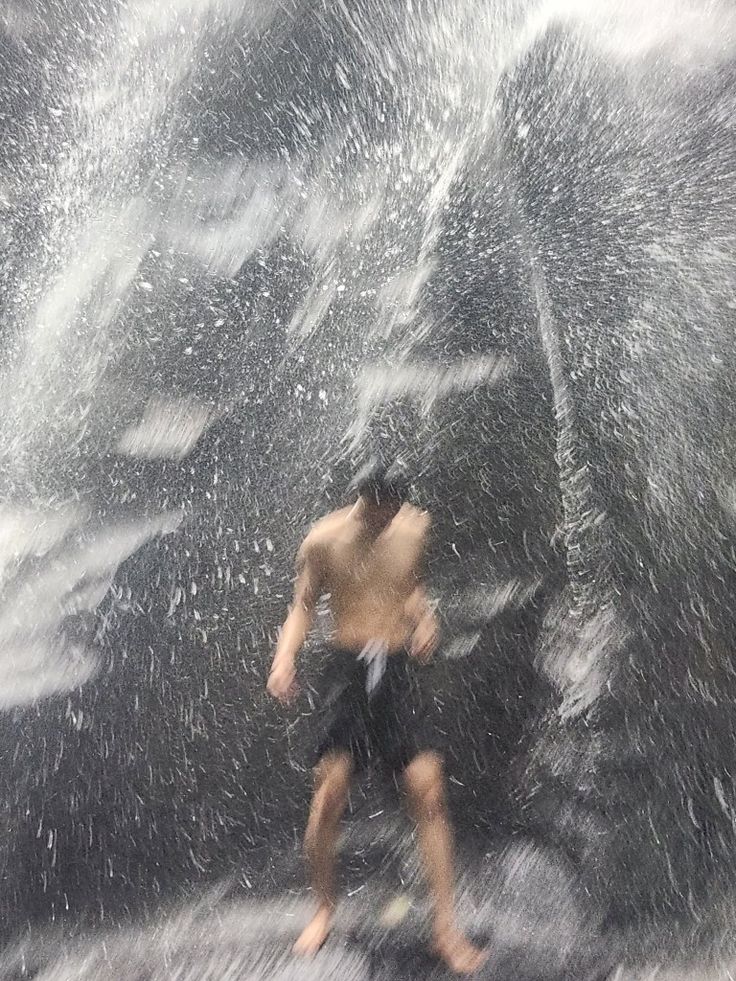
371,523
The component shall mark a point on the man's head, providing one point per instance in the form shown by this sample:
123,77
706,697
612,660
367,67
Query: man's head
382,489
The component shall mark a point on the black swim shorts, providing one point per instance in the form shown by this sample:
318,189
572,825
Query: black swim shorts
375,709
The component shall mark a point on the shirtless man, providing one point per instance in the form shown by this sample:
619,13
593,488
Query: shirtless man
368,558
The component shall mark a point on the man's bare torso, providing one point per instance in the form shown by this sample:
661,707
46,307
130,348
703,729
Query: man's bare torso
370,578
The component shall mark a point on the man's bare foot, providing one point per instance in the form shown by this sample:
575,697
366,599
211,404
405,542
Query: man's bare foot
457,952
315,933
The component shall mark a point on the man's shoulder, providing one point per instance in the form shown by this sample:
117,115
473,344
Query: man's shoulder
324,530
417,515
414,520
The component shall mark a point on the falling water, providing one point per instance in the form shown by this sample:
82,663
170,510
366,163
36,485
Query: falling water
244,244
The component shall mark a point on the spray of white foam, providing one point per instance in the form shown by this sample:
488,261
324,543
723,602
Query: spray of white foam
429,383
400,296
38,655
423,384
18,21
212,940
25,533
486,602
482,605
169,428
692,34
584,631
125,106
698,970
576,652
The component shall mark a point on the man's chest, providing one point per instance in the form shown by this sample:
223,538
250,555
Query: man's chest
384,566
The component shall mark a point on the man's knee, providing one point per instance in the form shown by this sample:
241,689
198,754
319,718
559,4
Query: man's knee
332,783
425,785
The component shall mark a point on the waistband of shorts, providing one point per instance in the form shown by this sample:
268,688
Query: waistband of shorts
333,649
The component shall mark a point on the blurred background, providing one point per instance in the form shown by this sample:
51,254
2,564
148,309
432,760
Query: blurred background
244,244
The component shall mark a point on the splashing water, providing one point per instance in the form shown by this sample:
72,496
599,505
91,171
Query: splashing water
498,237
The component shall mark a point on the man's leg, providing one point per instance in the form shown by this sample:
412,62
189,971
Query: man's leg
332,783
425,786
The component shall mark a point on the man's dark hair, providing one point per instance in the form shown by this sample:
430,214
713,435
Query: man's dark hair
382,483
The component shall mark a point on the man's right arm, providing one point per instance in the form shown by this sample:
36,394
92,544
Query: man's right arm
307,591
